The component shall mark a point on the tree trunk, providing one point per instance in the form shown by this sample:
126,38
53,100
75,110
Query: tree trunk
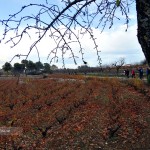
143,20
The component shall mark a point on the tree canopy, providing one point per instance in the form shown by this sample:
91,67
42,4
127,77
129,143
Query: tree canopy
7,67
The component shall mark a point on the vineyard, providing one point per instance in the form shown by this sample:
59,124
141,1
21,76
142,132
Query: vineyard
75,113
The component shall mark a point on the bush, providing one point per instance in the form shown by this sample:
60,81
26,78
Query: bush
136,83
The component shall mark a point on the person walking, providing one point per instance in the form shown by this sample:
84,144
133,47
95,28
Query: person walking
133,73
147,72
127,73
140,72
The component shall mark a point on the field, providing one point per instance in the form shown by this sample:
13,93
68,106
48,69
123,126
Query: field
64,112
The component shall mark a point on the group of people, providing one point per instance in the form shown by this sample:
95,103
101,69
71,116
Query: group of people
140,71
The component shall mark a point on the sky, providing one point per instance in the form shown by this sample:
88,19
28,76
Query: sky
113,43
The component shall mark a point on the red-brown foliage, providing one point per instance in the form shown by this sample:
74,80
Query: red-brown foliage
84,113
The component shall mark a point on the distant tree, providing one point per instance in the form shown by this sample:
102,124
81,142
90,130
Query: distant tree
7,67
39,65
31,65
118,64
24,61
19,68
47,68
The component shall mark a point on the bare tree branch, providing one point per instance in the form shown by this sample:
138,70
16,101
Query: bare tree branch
74,14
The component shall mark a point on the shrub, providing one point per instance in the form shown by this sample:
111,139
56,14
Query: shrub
137,84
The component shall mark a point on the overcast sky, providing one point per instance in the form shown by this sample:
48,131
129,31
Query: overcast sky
113,43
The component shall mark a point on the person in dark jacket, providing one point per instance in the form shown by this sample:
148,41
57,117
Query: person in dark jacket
140,72
127,73
147,72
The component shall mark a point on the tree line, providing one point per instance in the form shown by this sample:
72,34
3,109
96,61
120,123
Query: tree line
28,67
